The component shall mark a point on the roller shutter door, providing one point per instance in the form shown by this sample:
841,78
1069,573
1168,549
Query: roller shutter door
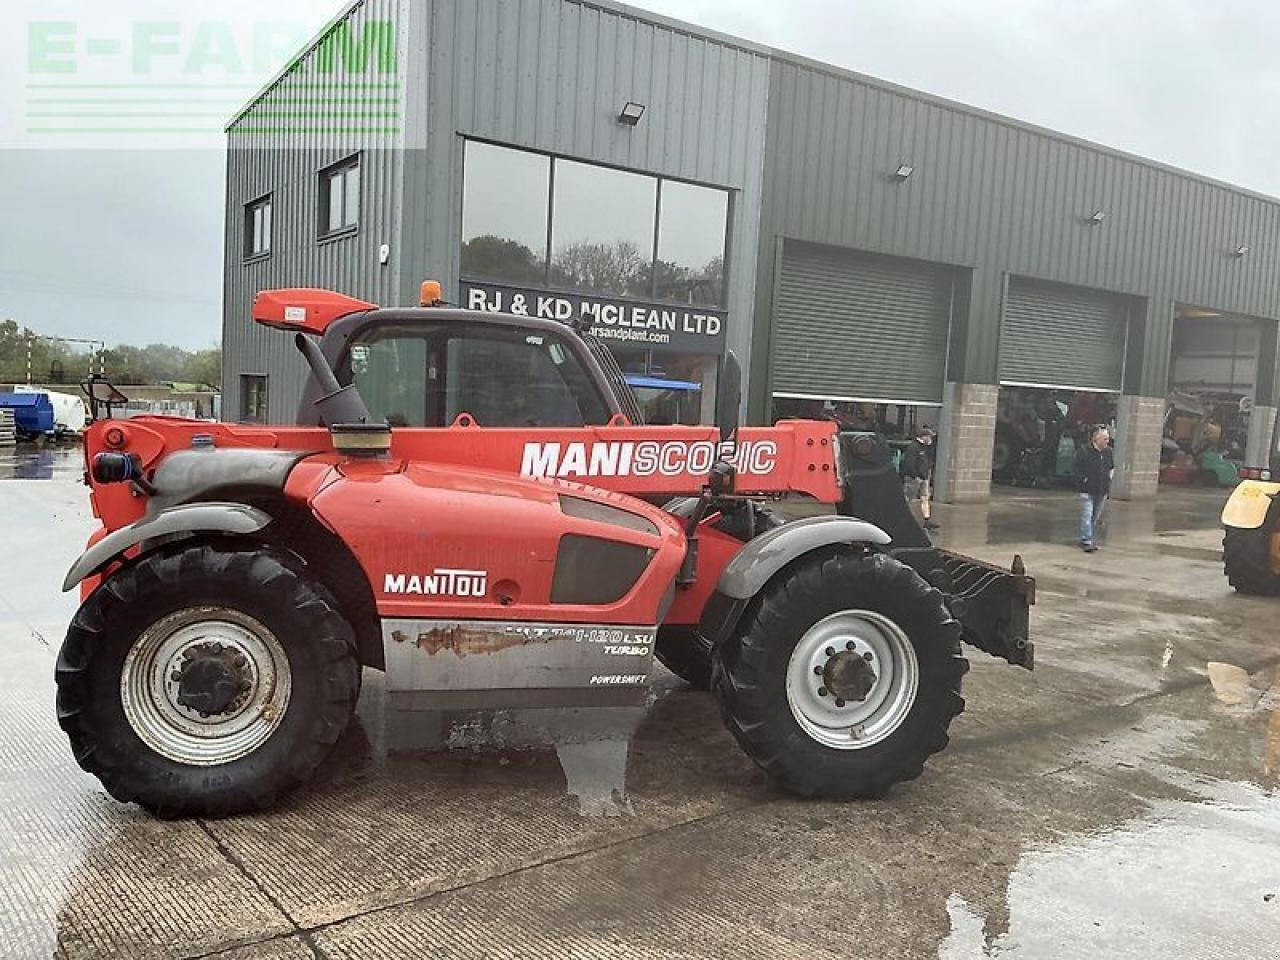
1215,355
1059,336
858,326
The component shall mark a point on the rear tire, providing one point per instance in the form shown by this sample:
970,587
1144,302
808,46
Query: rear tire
1246,559
686,653
248,618
834,609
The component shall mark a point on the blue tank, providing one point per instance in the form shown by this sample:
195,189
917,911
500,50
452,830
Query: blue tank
32,413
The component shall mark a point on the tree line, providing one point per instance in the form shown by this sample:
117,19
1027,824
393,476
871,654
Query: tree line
55,361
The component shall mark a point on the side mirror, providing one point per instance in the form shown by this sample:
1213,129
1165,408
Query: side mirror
728,396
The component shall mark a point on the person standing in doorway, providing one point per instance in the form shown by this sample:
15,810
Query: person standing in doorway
917,474
1093,468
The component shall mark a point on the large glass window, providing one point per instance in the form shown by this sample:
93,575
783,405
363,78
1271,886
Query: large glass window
602,229
426,376
504,214
691,228
609,234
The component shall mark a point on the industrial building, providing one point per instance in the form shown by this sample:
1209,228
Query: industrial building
871,253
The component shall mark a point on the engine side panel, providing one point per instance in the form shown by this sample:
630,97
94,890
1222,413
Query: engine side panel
447,543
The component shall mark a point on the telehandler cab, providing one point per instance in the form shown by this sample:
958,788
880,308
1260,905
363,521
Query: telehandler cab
471,502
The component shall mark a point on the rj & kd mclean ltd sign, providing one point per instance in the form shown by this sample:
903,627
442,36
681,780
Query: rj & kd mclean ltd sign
659,326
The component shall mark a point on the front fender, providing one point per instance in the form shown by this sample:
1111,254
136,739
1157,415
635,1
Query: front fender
756,563
230,518
1248,504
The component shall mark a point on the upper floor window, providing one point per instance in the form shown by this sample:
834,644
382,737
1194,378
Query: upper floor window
257,227
340,197
528,218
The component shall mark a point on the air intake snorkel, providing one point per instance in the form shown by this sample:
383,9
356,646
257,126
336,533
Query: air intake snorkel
342,409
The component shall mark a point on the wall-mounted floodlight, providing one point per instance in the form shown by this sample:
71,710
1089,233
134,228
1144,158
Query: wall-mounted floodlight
1097,216
904,170
631,113
1240,251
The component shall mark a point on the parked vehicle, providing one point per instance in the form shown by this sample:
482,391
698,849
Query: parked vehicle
44,414
502,544
32,414
1251,541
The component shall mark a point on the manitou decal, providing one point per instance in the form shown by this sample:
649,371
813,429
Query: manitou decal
644,458
442,582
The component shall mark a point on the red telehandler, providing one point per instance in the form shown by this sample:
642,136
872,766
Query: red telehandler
470,502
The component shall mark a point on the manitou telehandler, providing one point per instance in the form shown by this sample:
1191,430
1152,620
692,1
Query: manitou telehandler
471,502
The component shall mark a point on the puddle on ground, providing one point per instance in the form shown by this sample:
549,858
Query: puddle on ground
592,744
1186,878
40,461
1187,874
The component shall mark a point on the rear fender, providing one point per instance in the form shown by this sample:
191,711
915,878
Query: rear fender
759,560
235,519
1248,504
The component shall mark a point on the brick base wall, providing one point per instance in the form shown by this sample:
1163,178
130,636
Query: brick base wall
1139,427
968,431
1261,425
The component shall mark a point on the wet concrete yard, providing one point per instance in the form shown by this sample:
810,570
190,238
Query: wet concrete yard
1120,801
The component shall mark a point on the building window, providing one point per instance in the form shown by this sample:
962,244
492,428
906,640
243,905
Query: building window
340,197
257,227
691,229
602,230
504,214
529,219
253,398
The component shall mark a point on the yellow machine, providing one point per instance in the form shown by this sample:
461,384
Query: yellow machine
1251,546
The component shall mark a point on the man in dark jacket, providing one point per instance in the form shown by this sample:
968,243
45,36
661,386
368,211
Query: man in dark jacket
917,473
1093,468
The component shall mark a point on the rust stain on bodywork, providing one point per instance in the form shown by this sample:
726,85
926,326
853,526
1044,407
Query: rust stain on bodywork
463,641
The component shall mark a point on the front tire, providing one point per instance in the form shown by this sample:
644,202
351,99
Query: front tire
206,680
843,677
1246,560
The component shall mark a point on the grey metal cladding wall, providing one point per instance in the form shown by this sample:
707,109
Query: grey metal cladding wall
1062,336
860,327
552,75
266,154
1004,197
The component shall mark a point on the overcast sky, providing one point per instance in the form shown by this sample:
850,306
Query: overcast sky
127,244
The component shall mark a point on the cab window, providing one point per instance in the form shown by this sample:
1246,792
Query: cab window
391,373
426,375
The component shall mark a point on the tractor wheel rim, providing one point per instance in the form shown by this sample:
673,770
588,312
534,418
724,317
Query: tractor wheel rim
156,681
824,679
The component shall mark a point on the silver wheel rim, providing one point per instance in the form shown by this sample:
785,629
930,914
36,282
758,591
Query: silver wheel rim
892,674
149,686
